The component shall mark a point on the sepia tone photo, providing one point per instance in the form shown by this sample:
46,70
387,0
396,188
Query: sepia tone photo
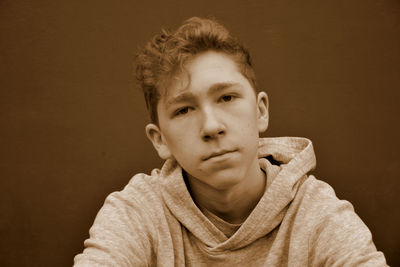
260,133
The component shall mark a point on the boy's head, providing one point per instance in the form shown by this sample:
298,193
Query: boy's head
165,56
200,88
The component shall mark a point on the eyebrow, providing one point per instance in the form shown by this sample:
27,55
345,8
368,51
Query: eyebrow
183,97
217,87
189,96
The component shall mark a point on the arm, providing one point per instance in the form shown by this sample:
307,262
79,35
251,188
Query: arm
120,235
340,238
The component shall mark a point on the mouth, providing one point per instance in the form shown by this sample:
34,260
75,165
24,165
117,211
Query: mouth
218,153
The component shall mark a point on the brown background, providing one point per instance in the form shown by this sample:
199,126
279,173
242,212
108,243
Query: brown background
72,119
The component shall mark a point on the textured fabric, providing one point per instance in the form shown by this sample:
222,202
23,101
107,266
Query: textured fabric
299,221
225,227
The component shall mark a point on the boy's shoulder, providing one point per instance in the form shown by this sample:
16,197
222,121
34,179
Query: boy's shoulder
142,191
319,198
143,184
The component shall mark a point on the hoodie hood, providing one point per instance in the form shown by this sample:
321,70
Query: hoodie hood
295,158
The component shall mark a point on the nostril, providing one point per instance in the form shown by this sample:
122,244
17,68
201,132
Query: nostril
210,136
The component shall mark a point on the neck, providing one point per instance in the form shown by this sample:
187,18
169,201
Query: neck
233,204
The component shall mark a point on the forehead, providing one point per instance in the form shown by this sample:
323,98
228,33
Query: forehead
211,61
202,72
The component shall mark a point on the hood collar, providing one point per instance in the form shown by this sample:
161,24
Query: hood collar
295,157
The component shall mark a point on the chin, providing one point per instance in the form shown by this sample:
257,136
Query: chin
224,181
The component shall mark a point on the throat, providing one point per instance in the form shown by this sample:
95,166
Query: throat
234,204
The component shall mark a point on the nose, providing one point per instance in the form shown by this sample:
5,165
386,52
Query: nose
212,127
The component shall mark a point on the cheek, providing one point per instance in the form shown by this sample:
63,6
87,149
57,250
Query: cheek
248,125
246,116
179,139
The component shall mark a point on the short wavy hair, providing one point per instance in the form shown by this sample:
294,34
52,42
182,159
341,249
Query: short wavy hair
166,54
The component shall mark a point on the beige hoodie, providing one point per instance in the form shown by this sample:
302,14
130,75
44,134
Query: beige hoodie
298,222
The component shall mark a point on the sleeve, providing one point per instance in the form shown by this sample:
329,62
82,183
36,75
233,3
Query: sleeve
120,236
340,238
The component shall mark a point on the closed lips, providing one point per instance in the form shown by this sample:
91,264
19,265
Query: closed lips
218,153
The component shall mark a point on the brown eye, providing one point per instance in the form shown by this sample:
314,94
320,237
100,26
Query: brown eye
226,98
181,111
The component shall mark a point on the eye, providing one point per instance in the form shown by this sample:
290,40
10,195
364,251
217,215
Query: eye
181,111
226,98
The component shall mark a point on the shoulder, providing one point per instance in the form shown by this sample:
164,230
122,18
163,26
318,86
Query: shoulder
337,235
125,229
319,195
137,208
323,208
141,185
141,195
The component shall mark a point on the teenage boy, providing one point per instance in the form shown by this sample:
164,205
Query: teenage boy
224,196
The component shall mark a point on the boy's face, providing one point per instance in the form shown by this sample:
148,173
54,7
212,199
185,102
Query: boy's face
210,121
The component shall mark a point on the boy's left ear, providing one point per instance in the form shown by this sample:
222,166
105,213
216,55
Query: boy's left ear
262,111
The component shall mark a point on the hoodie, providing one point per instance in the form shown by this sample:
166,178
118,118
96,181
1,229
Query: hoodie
298,221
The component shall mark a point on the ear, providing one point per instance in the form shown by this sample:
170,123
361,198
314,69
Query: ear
262,111
154,134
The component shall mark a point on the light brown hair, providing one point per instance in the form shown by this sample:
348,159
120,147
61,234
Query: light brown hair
165,55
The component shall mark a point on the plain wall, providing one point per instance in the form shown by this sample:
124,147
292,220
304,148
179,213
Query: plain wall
72,118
